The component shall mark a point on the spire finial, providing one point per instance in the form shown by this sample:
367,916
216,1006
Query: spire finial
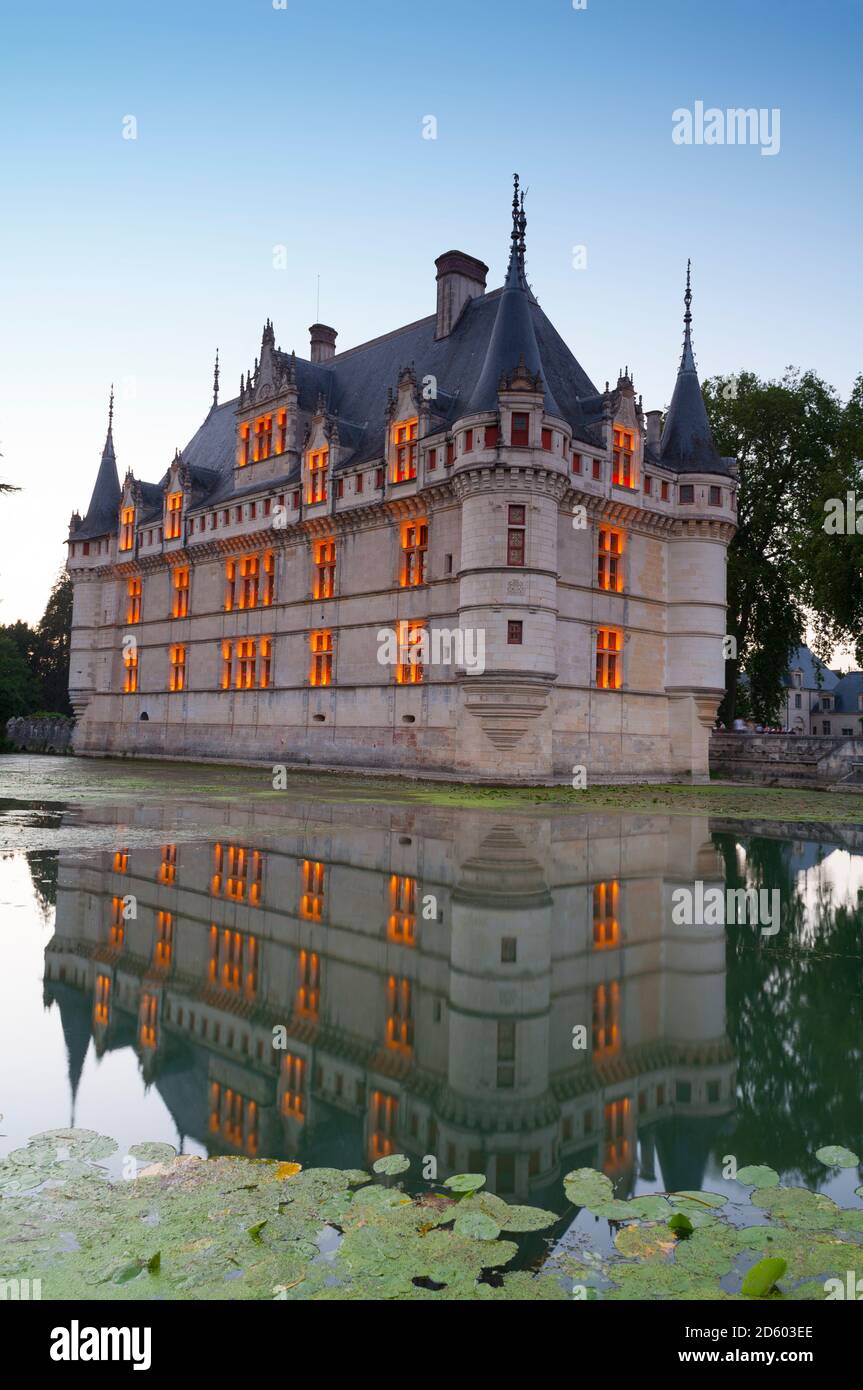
216,380
688,358
111,409
687,298
519,225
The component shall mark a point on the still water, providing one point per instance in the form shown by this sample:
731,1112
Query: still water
507,992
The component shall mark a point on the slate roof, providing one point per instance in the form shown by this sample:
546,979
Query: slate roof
687,441
846,693
102,514
815,675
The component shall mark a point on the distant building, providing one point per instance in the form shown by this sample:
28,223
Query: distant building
806,680
839,709
444,550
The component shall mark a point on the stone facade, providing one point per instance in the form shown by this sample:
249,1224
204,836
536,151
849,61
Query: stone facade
571,584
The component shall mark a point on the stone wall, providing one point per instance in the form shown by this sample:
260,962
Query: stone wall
785,759
40,735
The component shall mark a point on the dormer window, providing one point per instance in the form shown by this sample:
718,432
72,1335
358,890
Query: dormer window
173,515
623,458
263,437
127,528
318,466
244,451
404,440
282,431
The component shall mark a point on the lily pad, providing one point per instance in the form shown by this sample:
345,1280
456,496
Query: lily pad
758,1175
477,1225
153,1152
585,1187
834,1156
391,1164
465,1182
762,1277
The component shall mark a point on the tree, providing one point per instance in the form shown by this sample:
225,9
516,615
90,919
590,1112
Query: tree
18,690
792,439
50,662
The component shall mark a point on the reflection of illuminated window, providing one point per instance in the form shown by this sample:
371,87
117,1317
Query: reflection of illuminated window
616,1141
309,989
102,1000
233,961
383,1119
312,899
400,1026
234,1118
168,866
148,1019
606,1019
403,910
121,861
117,933
238,873
164,940
606,923
293,1080
505,1054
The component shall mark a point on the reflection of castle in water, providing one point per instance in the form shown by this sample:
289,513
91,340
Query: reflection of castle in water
429,968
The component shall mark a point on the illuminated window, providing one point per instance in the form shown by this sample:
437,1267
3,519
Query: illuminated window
237,873
401,927
117,931
127,528
133,600
121,861
148,1016
312,899
244,450
269,578
610,559
412,644
247,663
606,921
282,436
309,987
317,467
177,676
164,940
606,1019
102,1000
249,568
616,1141
265,664
180,604
321,648
293,1085
405,459
242,587
515,536
609,675
263,437
400,1026
520,432
233,961
168,866
622,458
415,539
324,582
173,515
130,661
383,1122
234,1118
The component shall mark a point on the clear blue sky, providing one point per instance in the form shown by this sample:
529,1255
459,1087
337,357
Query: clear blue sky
131,260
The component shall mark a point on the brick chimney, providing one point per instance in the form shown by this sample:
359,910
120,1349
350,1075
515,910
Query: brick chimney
323,341
459,278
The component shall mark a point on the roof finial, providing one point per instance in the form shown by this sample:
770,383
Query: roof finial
216,380
111,409
687,360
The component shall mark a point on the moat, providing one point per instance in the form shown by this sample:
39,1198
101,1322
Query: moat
502,988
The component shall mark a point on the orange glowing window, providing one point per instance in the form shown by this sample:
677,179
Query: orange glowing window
405,450
282,436
609,674
606,1019
117,931
312,897
402,923
623,458
164,940
237,873
127,528
293,1085
247,663
121,861
133,600
269,587
265,664
233,961
309,986
318,464
148,1020
263,438
177,671
173,516
412,651
321,649
234,1118
606,919
242,582
617,1149
324,580
383,1123
180,604
415,539
610,559
130,681
102,1000
244,446
400,1024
